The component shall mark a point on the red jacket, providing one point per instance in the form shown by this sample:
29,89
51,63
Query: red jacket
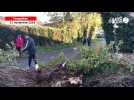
19,42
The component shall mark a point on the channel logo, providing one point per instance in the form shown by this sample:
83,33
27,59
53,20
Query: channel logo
19,20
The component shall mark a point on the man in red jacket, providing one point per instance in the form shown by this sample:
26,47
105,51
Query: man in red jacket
19,43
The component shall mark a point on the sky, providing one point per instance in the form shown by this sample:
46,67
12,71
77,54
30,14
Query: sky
41,16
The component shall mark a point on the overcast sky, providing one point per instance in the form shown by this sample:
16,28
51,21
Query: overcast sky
41,16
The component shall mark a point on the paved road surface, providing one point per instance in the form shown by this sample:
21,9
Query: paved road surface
44,58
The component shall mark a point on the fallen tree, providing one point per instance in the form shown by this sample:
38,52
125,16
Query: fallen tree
11,76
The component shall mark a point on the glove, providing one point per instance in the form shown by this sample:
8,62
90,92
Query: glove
36,66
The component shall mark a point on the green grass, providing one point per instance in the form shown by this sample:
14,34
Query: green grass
61,46
96,40
55,47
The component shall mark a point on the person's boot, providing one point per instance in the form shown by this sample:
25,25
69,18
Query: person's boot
19,54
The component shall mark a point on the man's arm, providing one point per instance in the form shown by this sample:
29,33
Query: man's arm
26,46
